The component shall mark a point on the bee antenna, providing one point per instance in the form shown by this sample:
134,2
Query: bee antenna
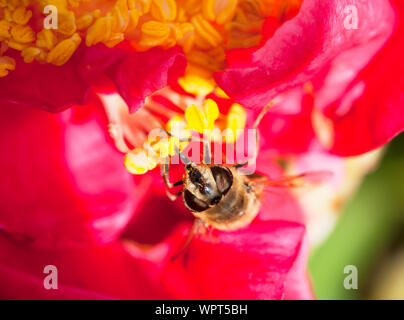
183,157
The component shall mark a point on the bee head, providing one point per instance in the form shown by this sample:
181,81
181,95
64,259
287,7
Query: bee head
205,186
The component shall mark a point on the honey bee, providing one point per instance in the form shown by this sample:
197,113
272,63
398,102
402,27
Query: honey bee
221,196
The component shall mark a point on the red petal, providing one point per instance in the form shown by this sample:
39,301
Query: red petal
252,263
304,46
287,128
134,74
370,112
62,182
95,272
297,286
156,216
42,86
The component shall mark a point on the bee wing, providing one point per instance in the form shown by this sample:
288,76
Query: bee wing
299,180
278,201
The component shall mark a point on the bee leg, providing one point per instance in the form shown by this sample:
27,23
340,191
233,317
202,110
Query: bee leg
168,185
207,156
191,234
207,159
173,197
240,165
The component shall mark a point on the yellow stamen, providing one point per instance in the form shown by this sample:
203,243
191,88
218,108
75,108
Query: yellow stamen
177,127
21,15
236,120
46,39
168,147
84,21
220,93
138,162
22,34
200,119
5,28
6,64
29,54
99,31
204,119
221,11
66,23
206,35
120,15
64,50
196,85
203,28
164,10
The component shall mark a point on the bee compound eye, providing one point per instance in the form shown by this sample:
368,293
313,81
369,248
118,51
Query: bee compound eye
216,200
223,178
193,203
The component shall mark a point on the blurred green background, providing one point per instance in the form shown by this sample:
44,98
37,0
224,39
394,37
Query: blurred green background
369,235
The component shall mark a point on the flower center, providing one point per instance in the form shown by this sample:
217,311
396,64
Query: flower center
180,129
203,28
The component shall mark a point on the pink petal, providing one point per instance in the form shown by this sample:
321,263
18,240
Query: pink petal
156,216
94,272
42,86
55,88
370,111
304,46
297,286
63,182
287,128
135,75
252,263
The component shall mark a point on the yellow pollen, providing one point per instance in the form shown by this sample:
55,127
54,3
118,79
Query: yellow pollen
99,31
46,39
5,27
156,149
66,23
164,10
205,119
143,6
30,53
63,50
168,147
236,120
84,21
22,34
177,126
137,161
200,119
6,64
196,85
203,28
21,15
220,11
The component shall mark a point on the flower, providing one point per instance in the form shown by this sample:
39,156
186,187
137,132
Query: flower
247,251
54,69
186,67
90,212
57,187
265,261
74,219
352,72
99,45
